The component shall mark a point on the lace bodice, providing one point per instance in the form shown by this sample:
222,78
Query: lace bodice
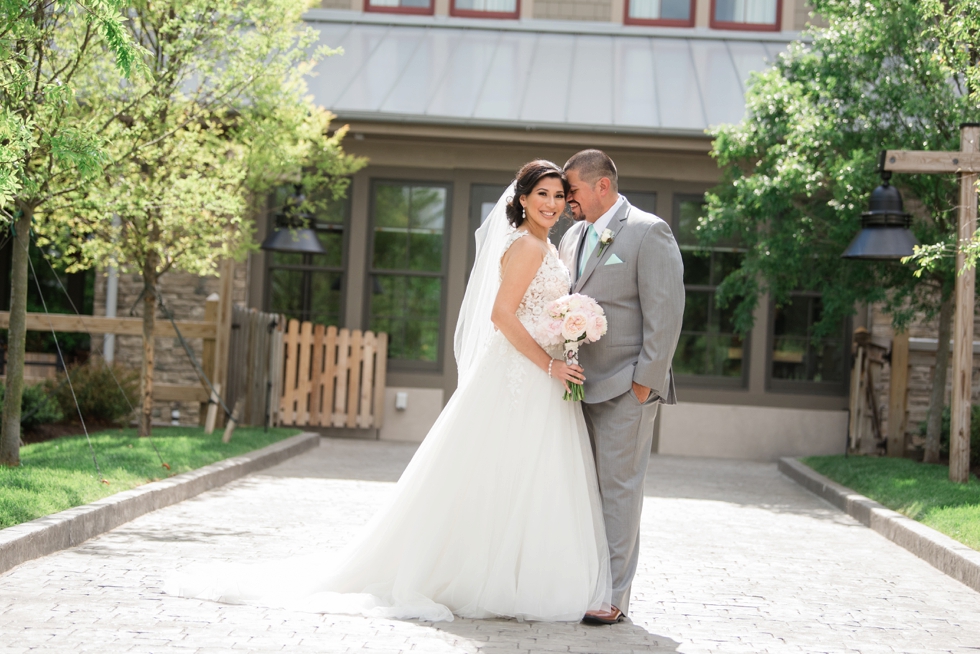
550,283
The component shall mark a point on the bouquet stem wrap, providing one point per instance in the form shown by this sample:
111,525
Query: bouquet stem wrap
576,392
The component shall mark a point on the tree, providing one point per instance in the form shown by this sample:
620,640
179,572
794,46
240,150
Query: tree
195,144
797,171
47,148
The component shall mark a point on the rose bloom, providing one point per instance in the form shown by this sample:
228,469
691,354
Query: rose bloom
574,326
575,302
595,328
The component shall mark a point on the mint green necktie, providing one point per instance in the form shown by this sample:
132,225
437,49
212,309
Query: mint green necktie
591,239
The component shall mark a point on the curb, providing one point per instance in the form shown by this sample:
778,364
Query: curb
939,550
59,531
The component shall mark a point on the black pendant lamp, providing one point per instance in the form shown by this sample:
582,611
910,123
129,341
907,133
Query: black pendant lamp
885,234
292,233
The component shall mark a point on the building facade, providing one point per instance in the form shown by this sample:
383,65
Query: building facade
448,98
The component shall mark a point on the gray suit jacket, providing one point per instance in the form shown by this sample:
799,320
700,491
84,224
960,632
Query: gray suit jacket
643,298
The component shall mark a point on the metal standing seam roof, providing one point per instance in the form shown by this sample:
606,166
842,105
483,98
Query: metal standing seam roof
461,72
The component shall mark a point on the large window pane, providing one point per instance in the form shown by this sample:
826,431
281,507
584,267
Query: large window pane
660,9
490,6
708,346
399,4
798,355
408,308
757,12
409,222
406,275
304,286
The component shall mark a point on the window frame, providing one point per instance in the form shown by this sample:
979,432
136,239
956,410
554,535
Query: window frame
658,22
473,13
801,387
709,381
418,11
747,27
342,268
410,365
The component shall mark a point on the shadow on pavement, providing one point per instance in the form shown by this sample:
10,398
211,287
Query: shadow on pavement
613,639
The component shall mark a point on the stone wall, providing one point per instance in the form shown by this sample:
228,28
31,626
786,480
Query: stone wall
184,294
921,365
600,10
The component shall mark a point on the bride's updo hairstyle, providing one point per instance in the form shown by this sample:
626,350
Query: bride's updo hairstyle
527,178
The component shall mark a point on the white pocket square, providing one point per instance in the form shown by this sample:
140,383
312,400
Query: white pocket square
612,260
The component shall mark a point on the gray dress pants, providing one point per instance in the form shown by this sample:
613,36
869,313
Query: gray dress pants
621,431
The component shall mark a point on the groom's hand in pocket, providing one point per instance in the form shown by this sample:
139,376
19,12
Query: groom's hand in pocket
642,392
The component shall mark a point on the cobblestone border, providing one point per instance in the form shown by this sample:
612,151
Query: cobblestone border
68,528
942,552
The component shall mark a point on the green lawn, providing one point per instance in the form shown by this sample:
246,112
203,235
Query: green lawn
921,491
58,474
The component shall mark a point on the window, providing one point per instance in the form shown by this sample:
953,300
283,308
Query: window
800,359
709,350
305,286
407,268
746,14
399,6
486,8
672,13
483,198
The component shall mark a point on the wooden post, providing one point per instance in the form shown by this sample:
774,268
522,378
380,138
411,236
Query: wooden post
897,394
959,432
213,406
207,351
856,400
222,341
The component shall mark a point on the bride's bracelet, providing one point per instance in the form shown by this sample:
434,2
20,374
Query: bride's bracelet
550,363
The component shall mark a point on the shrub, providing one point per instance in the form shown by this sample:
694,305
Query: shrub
99,396
944,433
37,407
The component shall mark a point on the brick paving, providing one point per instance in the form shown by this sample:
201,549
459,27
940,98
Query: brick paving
735,558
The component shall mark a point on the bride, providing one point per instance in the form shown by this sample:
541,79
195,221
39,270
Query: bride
498,514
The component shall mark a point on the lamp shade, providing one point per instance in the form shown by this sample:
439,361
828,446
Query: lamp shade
884,234
301,240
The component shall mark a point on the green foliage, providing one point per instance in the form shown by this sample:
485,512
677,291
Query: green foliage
37,407
922,491
100,397
46,146
59,474
222,117
944,433
798,170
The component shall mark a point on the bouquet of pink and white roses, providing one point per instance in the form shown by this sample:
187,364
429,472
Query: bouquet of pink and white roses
575,320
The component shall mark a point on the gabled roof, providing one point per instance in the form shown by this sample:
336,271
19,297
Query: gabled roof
535,74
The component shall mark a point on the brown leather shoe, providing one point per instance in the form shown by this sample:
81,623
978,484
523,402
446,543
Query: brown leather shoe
612,616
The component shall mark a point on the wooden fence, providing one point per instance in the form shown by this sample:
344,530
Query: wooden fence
255,358
333,378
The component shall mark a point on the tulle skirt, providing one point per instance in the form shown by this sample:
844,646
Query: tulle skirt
497,515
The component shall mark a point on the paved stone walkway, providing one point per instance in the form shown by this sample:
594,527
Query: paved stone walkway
735,558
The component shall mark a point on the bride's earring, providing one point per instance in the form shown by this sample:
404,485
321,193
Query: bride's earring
523,213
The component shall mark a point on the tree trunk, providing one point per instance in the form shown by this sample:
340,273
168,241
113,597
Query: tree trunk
16,343
937,399
149,321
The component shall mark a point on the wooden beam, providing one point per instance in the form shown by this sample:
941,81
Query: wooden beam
897,394
960,401
924,161
179,393
101,325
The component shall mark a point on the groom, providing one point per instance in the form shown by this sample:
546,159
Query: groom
628,261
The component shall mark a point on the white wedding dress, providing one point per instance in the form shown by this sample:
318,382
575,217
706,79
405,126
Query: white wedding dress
497,515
